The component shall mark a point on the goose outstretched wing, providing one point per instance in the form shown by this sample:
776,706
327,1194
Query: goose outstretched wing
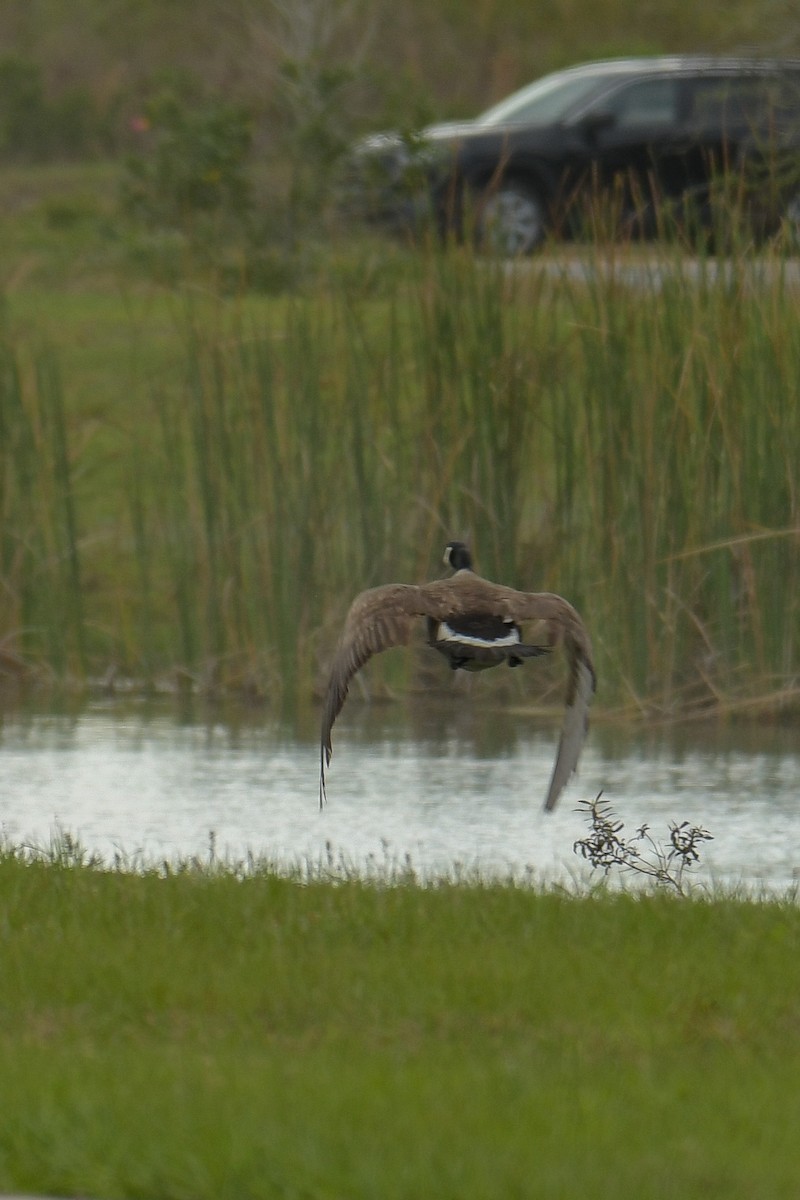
564,626
379,619
580,690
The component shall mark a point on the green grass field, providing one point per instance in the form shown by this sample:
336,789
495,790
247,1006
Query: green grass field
205,1035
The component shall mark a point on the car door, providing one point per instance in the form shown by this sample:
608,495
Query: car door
723,111
638,148
745,129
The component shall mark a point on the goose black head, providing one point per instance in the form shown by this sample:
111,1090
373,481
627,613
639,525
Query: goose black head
457,556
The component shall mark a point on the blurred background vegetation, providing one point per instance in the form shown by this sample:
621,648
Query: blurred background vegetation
283,85
82,71
221,411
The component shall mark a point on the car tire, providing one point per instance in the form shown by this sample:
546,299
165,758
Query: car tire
791,218
510,219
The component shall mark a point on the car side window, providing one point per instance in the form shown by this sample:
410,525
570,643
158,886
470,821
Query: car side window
730,102
787,97
645,102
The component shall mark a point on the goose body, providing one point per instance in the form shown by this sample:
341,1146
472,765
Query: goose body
475,624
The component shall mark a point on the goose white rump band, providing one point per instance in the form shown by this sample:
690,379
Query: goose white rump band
445,634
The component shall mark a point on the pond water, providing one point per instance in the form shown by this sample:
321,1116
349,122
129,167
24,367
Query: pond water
448,789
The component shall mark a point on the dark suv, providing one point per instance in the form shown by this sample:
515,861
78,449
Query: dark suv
644,141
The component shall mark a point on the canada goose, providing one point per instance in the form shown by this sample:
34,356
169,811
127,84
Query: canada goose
475,624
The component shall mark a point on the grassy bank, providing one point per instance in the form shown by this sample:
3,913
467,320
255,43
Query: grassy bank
201,1034
199,484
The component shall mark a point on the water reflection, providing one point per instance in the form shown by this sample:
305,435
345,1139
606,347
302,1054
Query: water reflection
439,783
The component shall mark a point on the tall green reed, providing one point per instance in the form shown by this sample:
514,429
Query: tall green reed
483,354
41,588
687,429
627,434
621,443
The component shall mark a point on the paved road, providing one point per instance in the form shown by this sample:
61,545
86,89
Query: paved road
651,272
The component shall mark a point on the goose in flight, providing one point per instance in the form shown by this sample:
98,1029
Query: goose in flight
474,624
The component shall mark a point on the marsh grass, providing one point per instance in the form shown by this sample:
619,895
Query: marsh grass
40,559
206,1032
687,417
626,434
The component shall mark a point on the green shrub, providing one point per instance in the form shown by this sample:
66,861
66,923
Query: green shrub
194,163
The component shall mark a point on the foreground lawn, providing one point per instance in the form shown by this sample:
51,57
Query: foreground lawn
201,1035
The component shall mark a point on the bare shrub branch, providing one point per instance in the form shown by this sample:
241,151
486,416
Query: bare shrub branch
605,847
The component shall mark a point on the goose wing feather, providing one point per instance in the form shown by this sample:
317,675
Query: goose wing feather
564,626
574,726
378,619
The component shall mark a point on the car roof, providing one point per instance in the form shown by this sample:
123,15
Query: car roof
685,63
608,73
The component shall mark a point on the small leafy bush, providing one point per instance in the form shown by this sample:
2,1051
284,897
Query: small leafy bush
194,163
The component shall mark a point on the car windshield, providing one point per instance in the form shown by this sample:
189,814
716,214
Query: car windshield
547,100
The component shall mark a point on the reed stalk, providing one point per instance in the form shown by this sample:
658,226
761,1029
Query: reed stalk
41,589
627,435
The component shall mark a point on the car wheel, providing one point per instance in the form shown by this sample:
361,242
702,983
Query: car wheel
511,220
791,218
